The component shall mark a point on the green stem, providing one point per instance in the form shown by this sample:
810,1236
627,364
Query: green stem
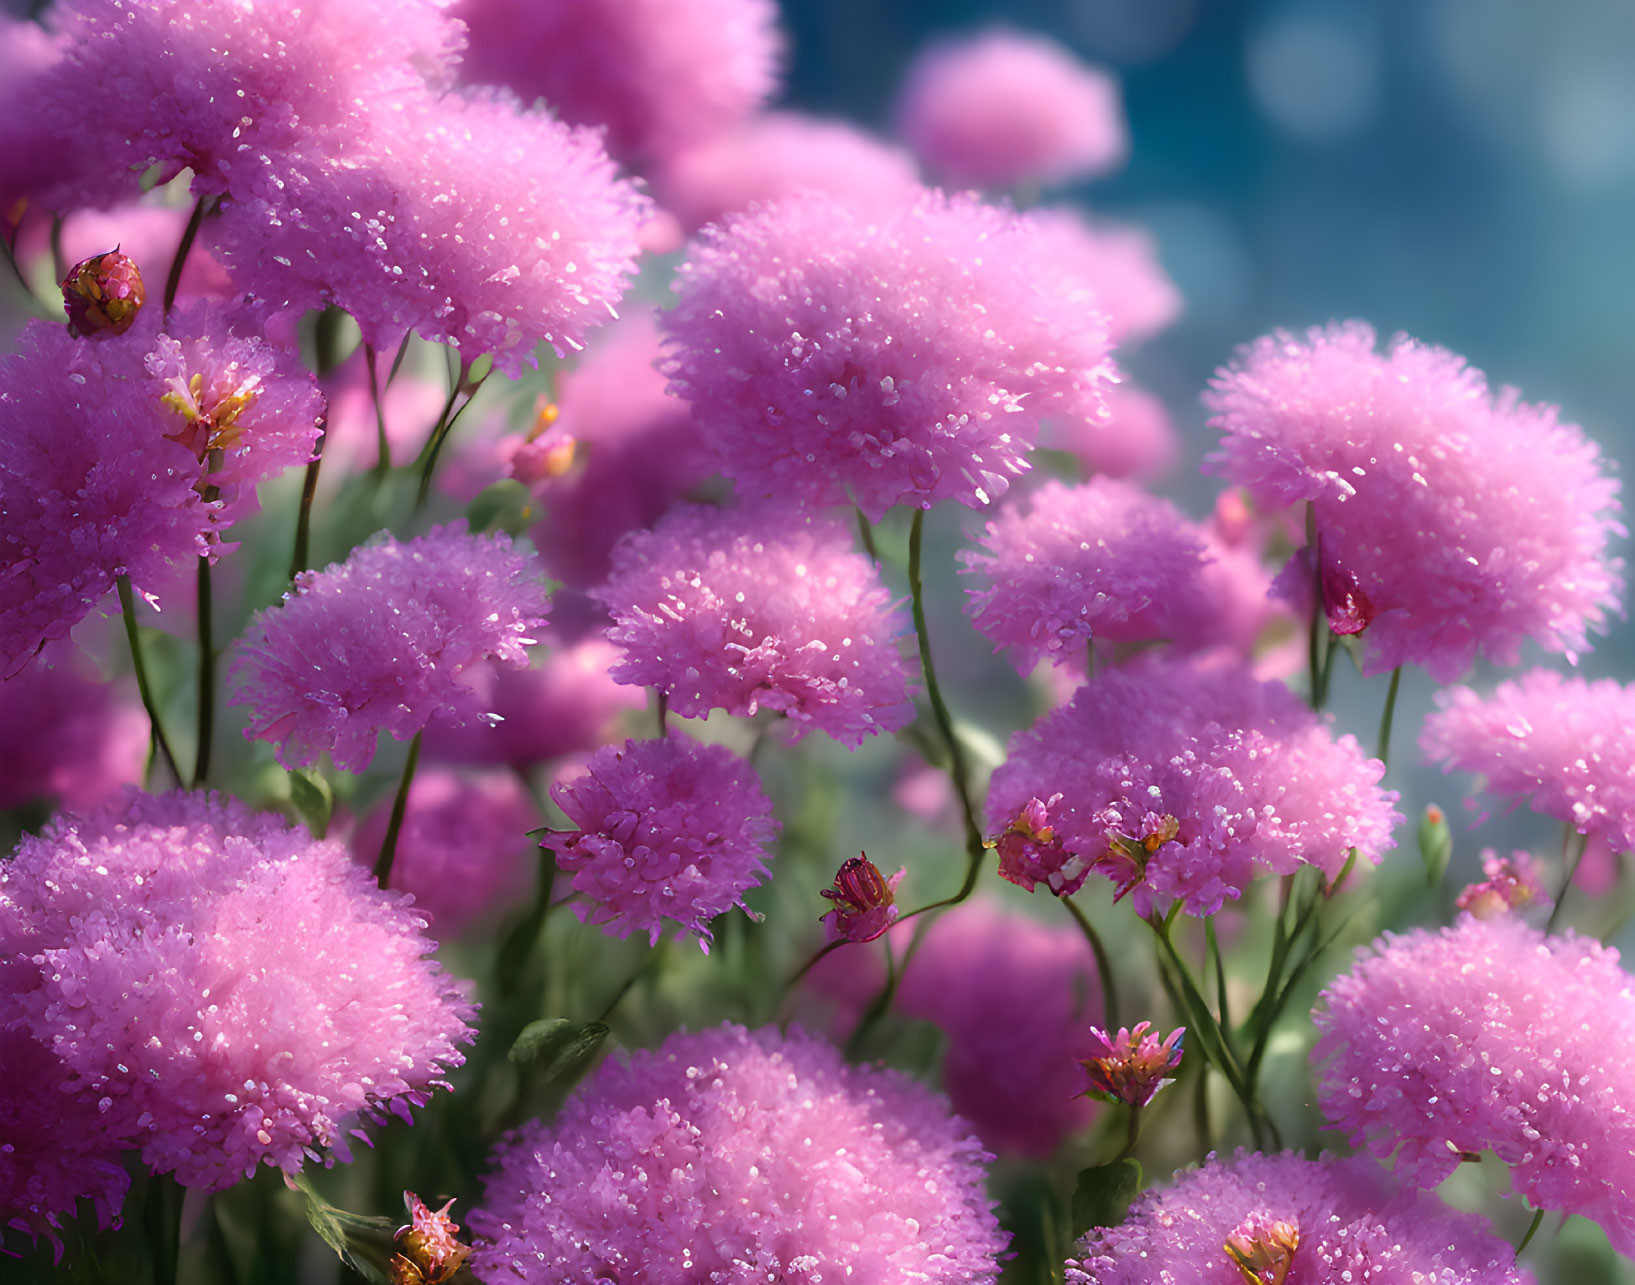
303,516
33,300
865,532
1132,1134
518,948
444,426
1532,1230
162,1219
1389,716
383,461
663,713
647,966
207,676
1576,845
59,260
1213,946
876,1010
1104,964
127,607
388,847
173,280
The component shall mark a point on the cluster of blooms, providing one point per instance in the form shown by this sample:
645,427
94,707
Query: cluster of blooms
1130,1067
1181,780
738,1155
210,986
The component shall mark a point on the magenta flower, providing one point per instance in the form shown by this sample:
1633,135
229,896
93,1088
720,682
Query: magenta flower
1566,745
1490,1036
463,852
1103,561
738,1155
1131,1066
566,704
1015,998
1511,883
667,830
658,75
1136,440
226,990
428,1250
865,903
71,739
1270,1219
1030,854
1120,263
382,641
778,154
752,608
1002,109
103,294
1183,780
1449,521
832,355
461,217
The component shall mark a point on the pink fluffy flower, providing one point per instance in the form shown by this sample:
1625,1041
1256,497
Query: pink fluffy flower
1120,262
1182,780
225,989
1490,1036
658,75
1002,109
833,356
463,217
1275,1218
70,738
1508,884
463,852
566,704
778,154
1449,521
749,609
1566,745
632,450
731,1155
381,642
666,830
1137,439
1103,561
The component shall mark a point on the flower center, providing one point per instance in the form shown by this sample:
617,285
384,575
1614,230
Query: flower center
209,424
1263,1250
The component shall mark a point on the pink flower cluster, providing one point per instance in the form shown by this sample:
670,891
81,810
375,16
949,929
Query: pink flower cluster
1183,780
738,1155
753,608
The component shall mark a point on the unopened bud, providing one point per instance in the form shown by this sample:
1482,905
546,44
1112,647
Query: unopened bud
103,294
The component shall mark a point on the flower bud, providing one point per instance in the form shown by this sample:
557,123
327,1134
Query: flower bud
1132,1067
865,903
103,294
427,1253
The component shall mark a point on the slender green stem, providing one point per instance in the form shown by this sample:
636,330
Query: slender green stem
1104,964
1388,717
162,1219
127,607
1213,946
383,460
303,515
388,847
207,676
173,280
444,426
865,532
519,946
1532,1230
879,1008
1576,845
59,260
1132,1134
663,713
647,966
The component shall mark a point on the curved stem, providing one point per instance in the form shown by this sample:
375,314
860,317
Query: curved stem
127,607
1132,1135
1388,717
207,677
388,847
865,532
444,426
1532,1230
383,459
173,280
878,1009
303,516
1104,964
1576,845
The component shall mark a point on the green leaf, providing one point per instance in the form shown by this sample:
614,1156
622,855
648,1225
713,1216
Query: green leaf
365,1244
1103,1195
313,799
560,1048
507,506
1435,844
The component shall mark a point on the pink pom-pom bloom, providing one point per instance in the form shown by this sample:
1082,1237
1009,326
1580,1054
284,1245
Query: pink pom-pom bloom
381,642
1133,1065
126,455
566,704
1003,110
779,154
227,990
833,356
1490,1036
748,609
1509,883
1182,781
1267,1219
70,739
463,851
658,75
462,217
1566,745
1448,521
865,901
730,1155
667,830
1102,562
1120,262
